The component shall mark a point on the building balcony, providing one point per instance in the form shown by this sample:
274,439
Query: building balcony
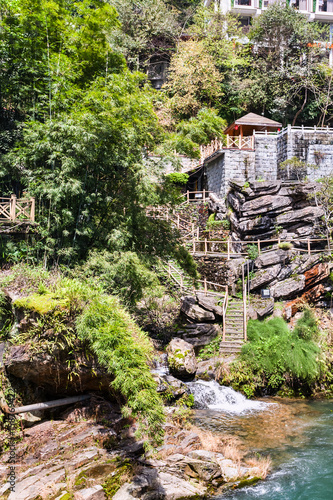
245,7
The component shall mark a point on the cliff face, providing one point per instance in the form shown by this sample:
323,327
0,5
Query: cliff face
274,209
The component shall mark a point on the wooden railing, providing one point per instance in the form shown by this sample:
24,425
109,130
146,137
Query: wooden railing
232,142
17,210
196,196
239,142
179,279
225,247
210,149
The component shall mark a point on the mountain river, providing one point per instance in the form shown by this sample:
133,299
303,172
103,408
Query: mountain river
297,434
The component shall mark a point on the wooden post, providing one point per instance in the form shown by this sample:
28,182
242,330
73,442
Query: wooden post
188,196
198,233
12,209
309,247
204,195
205,246
169,271
244,304
32,210
228,246
193,228
258,247
205,286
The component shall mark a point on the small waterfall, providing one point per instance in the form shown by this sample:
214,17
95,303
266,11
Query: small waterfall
161,366
218,397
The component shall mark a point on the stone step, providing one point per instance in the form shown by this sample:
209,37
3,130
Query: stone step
232,343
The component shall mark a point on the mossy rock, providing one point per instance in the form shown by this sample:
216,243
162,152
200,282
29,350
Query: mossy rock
42,304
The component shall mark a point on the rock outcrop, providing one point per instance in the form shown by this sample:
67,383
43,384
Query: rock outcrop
265,210
289,274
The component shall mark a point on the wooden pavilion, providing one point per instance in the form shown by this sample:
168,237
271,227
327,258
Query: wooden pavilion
245,125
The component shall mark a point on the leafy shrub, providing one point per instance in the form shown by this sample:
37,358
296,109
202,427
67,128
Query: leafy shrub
210,350
252,251
275,355
124,349
177,178
122,273
217,224
285,245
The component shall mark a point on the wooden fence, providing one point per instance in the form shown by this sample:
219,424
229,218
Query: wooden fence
225,247
178,278
17,210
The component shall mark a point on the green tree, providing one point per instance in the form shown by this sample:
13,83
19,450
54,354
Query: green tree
149,30
284,78
194,81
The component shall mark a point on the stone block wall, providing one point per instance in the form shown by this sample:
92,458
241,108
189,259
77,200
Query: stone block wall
229,164
313,146
215,176
266,155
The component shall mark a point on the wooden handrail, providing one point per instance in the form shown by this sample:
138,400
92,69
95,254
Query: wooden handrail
17,209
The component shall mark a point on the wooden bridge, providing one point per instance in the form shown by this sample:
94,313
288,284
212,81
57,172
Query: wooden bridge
16,214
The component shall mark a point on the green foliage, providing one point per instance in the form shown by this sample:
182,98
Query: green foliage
41,304
285,245
252,251
276,355
124,350
217,224
177,178
124,274
148,32
210,350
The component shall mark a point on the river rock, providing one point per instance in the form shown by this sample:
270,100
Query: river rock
151,485
172,386
195,312
204,470
93,493
288,288
199,334
207,369
181,359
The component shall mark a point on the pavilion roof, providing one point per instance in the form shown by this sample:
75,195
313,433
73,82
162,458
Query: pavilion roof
256,121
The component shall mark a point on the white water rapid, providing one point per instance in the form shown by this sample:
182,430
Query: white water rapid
218,397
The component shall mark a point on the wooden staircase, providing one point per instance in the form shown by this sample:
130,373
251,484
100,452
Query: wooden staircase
234,328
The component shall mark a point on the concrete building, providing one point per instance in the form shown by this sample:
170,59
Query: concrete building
255,147
316,10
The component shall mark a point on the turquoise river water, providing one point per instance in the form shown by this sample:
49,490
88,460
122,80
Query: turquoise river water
297,435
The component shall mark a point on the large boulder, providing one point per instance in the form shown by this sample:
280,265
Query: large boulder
195,312
211,303
153,485
260,308
305,215
53,372
199,334
274,257
264,204
181,359
289,288
264,276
